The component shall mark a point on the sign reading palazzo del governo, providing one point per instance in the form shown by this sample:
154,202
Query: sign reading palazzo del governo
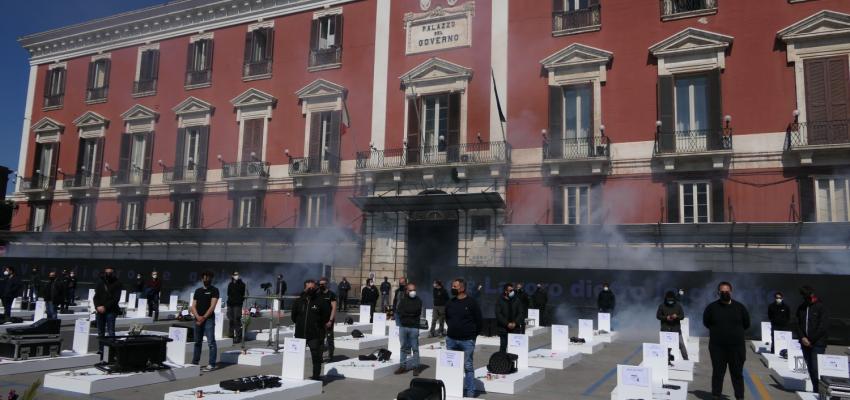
440,28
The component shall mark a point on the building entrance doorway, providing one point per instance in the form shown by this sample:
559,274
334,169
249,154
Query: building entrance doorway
431,254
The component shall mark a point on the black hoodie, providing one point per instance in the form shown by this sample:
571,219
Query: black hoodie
813,322
310,312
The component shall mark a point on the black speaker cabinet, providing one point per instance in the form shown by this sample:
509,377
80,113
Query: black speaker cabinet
134,353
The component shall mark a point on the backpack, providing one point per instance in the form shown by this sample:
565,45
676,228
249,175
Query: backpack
356,334
349,321
423,389
502,363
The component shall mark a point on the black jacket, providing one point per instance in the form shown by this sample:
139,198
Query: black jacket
235,293
310,314
11,287
153,289
463,318
523,298
540,298
343,287
280,287
385,288
606,300
673,325
509,310
441,297
813,323
54,291
779,316
72,282
140,285
409,311
726,323
108,294
398,295
369,296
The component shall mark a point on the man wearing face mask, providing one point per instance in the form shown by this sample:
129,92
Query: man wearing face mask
54,295
813,326
726,320
329,297
671,314
399,292
509,315
310,313
606,301
153,289
369,297
107,294
343,287
779,315
71,293
203,308
11,288
540,299
235,300
463,317
439,313
408,313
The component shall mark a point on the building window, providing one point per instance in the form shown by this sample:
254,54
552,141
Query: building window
38,217
89,160
83,216
674,9
690,113
326,41
186,213
54,87
98,83
480,225
191,158
692,104
247,212
199,64
577,204
833,199
827,100
44,167
148,72
134,164
323,142
132,215
259,48
574,16
694,204
314,210
252,139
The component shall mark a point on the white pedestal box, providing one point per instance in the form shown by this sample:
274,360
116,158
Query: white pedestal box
71,317
508,384
363,370
254,357
450,371
263,334
808,396
126,322
536,331
487,341
758,347
638,383
682,371
791,380
658,392
349,342
692,344
93,380
773,360
551,359
431,350
343,328
587,348
68,359
608,337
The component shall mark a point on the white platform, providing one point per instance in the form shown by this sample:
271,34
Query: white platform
605,337
773,361
681,371
659,393
343,328
758,347
93,380
289,389
68,359
263,335
431,350
72,317
546,358
587,348
348,342
790,380
253,357
508,384
487,341
364,370
124,322
808,396
536,331
692,344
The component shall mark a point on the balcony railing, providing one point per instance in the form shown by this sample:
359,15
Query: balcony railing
577,148
675,8
257,68
329,56
37,183
95,94
83,180
134,176
184,174
576,20
818,133
144,86
245,169
468,153
314,165
198,77
694,141
54,100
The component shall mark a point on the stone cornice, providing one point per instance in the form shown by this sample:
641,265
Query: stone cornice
177,18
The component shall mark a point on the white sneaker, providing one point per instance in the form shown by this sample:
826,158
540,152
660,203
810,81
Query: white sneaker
208,368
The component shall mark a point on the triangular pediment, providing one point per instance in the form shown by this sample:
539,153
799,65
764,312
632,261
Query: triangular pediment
320,88
90,118
436,68
47,124
576,54
253,97
193,105
139,112
824,23
691,40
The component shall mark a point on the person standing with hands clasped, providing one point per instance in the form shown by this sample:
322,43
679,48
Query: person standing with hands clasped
107,293
813,321
310,312
671,314
779,315
203,308
440,297
408,312
330,297
726,320
235,300
463,317
509,315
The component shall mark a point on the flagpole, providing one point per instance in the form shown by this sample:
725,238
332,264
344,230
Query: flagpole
502,119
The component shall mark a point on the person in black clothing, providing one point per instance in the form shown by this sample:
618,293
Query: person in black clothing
343,287
386,287
439,312
310,313
107,294
62,280
11,289
399,292
509,315
369,297
671,314
280,289
539,300
463,317
606,301
408,312
203,308
139,288
779,315
813,326
71,295
726,321
54,295
153,289
330,297
235,300
34,284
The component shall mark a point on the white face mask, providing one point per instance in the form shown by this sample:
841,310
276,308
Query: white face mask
605,288
681,293
5,272
412,294
778,301
511,293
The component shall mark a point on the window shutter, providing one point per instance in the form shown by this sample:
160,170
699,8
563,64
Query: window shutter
154,64
252,139
107,66
453,135
315,147
269,32
249,47
338,27
314,33
557,6
715,110
838,93
673,203
334,141
148,157
145,65
556,122
413,131
54,164
203,152
558,204
302,210
179,162
718,201
666,114
48,84
208,59
596,207
39,148
808,212
98,167
62,74
92,68
190,57
81,158
124,157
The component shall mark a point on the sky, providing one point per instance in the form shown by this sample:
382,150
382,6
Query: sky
25,17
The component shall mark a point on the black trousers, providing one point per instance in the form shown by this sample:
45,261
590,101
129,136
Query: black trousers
343,300
234,317
503,338
329,342
733,357
810,354
7,307
315,346
153,307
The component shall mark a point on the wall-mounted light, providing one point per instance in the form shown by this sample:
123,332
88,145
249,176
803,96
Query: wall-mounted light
108,168
253,155
219,158
796,114
728,119
602,129
478,135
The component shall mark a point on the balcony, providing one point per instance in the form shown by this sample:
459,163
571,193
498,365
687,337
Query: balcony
594,151
198,78
245,170
807,138
577,21
694,144
256,70
133,177
481,153
327,165
96,95
184,175
81,181
144,87
37,184
677,9
53,100
325,58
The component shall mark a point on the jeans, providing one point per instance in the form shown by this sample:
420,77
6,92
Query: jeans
50,308
234,318
439,314
733,357
467,347
315,346
105,322
409,338
205,329
7,307
69,297
810,354
385,301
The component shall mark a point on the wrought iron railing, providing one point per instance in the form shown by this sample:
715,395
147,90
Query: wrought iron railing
693,141
329,56
257,68
37,183
94,94
53,100
134,176
198,77
576,148
670,8
184,174
467,153
570,20
144,86
329,164
817,133
82,180
245,169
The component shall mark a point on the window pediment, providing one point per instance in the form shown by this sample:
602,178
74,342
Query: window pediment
253,97
320,88
48,125
193,105
139,113
91,119
691,40
576,61
822,24
435,69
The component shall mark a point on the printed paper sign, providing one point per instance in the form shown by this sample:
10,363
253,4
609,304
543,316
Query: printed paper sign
765,332
518,344
534,316
429,315
634,382
782,340
394,345
379,328
585,329
364,314
131,301
655,357
686,329
81,336
450,371
670,340
451,359
833,365
39,311
560,338
293,358
604,322
172,302
176,348
294,346
795,351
